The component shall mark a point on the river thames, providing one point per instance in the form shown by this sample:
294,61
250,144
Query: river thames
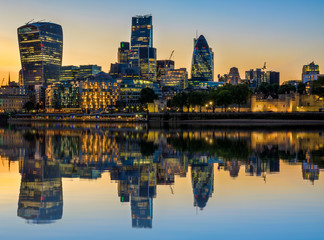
119,181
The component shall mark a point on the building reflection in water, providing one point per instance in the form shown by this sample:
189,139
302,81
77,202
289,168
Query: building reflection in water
40,198
310,170
139,160
202,177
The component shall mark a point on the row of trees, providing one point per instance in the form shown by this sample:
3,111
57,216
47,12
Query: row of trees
222,97
274,89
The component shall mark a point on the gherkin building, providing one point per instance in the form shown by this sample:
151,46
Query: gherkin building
202,61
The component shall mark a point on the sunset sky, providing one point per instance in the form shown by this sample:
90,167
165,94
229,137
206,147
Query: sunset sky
286,34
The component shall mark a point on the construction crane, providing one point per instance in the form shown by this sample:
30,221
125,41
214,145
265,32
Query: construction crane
171,55
264,67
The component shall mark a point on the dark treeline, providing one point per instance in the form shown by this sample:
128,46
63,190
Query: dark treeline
222,97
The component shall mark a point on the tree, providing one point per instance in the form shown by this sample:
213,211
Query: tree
318,87
197,98
224,99
147,95
28,106
286,88
268,89
301,88
179,100
241,94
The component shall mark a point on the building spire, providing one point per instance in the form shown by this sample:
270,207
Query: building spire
9,79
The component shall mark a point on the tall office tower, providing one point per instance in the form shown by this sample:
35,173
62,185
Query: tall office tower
310,72
147,63
141,36
89,70
69,73
272,77
255,77
123,53
162,67
40,198
40,45
202,67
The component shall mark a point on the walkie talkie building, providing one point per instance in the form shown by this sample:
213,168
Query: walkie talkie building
41,46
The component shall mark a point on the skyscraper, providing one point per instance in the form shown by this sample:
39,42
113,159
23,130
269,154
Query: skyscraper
202,61
272,77
40,45
162,66
143,54
147,63
123,53
142,36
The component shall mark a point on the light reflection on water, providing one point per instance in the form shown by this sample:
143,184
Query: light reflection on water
194,179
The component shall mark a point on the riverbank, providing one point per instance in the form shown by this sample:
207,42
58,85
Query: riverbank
221,119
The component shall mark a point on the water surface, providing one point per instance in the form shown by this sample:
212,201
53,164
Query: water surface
82,181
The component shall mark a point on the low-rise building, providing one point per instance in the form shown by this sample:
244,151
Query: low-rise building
92,93
10,103
177,78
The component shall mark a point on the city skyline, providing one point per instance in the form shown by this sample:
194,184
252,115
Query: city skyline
239,40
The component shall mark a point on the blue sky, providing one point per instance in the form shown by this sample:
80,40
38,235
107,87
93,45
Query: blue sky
245,34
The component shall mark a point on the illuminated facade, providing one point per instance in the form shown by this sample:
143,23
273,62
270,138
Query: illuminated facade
122,70
202,177
177,78
9,102
98,92
310,72
254,77
147,63
124,53
202,67
89,70
130,90
162,67
141,36
62,95
40,45
41,197
69,73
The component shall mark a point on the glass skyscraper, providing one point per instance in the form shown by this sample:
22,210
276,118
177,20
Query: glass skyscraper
202,68
41,46
141,36
123,53
143,54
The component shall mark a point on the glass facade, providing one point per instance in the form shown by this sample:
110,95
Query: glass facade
123,53
147,63
41,195
141,36
202,61
130,90
310,72
176,78
89,70
162,67
69,73
41,46
63,94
